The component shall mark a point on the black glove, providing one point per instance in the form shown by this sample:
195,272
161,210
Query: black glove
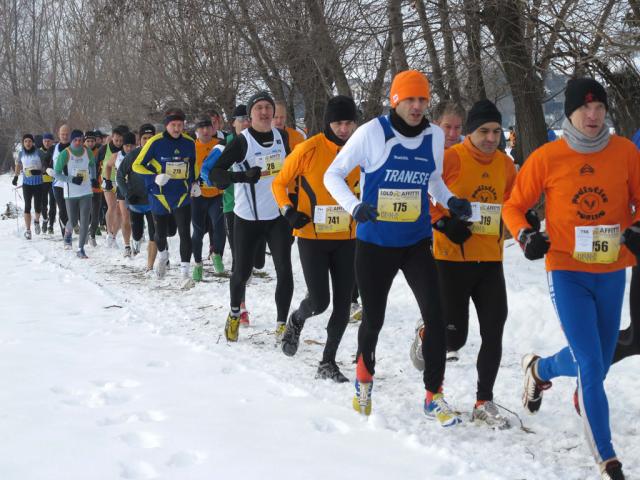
455,229
533,243
36,172
250,176
365,213
295,218
14,182
533,219
631,238
95,183
459,207
77,180
108,185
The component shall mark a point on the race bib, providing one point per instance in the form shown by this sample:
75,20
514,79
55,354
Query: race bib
399,204
485,218
331,219
270,164
598,244
176,170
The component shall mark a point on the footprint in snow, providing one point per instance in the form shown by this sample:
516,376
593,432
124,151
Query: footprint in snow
330,425
141,439
158,364
138,470
185,459
148,416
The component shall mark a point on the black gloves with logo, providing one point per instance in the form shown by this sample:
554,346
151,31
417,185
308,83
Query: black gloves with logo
534,244
108,185
459,207
295,218
631,238
250,176
77,180
365,213
14,182
454,228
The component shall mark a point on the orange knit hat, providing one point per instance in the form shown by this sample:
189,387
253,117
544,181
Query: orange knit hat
410,83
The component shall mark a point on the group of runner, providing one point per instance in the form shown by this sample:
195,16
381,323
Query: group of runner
396,193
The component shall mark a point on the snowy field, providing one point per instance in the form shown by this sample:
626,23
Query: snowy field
108,374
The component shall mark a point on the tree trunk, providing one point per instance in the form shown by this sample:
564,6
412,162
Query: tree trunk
436,78
505,20
449,54
394,10
475,83
373,105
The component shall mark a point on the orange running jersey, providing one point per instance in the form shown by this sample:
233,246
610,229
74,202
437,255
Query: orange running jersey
588,200
202,151
305,167
483,179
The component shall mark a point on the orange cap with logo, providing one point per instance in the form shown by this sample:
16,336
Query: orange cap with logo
407,84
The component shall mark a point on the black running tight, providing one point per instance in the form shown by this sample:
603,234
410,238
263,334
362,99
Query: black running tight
376,267
482,282
182,217
319,259
249,236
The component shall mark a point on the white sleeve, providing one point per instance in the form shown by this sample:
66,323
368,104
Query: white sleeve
355,153
438,190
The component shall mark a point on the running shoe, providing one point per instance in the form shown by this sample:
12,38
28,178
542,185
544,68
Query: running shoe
127,251
291,337
27,234
330,371
197,272
280,329
533,387
67,241
438,409
50,230
218,266
453,356
36,227
80,254
92,242
487,413
415,352
135,247
231,328
163,259
362,399
611,470
355,315
244,317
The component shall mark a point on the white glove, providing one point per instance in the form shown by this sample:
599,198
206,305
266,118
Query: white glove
162,179
51,172
196,191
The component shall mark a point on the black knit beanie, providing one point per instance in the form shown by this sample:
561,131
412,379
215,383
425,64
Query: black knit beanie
259,97
340,108
27,135
129,138
482,112
581,91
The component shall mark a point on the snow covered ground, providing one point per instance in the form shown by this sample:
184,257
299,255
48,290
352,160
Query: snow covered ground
107,374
